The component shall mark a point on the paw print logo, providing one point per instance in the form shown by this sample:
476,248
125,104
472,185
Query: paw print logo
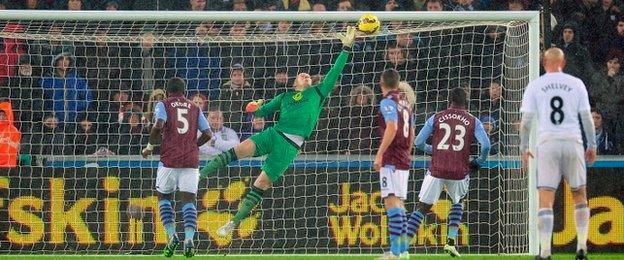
210,220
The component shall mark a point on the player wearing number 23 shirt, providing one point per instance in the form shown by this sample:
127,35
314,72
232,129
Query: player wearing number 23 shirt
452,132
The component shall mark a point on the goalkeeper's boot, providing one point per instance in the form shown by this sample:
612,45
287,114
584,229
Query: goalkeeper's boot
404,255
189,248
170,248
387,256
450,249
581,255
226,229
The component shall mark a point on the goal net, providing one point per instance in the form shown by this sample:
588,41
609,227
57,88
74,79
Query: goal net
83,87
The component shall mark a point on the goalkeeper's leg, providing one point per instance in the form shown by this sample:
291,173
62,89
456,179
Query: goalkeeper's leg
252,199
245,149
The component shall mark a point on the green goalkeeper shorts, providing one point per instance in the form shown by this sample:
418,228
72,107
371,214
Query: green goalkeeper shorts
280,152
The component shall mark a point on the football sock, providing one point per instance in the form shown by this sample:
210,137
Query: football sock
395,228
454,219
545,227
251,200
405,241
413,223
190,220
581,217
222,160
167,217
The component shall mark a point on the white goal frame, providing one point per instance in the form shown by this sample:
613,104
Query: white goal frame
531,17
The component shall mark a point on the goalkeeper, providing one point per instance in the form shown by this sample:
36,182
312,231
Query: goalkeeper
299,112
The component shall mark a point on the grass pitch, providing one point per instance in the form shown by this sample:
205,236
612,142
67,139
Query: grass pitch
294,257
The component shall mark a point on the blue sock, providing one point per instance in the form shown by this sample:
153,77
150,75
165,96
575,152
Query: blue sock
167,216
454,219
395,227
405,241
413,222
190,220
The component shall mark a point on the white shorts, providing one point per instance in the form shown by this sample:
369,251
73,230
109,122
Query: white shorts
184,179
561,158
393,182
432,187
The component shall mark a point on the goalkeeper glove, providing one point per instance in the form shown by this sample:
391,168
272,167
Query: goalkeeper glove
253,105
347,38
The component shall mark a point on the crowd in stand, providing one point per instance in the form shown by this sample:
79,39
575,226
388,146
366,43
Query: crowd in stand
97,97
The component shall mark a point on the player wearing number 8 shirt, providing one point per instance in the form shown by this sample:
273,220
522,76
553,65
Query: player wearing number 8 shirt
558,100
453,131
394,159
178,119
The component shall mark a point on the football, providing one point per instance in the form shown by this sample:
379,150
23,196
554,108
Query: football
369,24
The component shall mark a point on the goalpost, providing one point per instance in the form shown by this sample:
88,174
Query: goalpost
83,121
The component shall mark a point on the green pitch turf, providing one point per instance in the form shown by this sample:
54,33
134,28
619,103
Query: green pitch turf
295,257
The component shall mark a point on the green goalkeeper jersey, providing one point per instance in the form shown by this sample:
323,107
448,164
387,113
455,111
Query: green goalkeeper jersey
300,110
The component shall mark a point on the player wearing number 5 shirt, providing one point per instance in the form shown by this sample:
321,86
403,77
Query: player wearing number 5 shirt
452,132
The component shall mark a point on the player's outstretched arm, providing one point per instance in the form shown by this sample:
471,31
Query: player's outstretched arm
422,136
267,109
329,81
483,139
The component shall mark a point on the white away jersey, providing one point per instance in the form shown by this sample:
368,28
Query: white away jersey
556,99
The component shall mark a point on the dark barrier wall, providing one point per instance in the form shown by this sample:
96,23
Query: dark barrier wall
334,211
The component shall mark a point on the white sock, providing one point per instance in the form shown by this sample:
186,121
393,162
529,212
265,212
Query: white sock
581,217
545,227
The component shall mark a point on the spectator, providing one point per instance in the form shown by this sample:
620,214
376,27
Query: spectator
74,5
13,49
9,137
319,7
407,43
344,6
434,5
606,86
155,96
279,84
197,5
200,101
129,136
103,66
489,124
48,137
25,94
32,4
294,5
603,20
396,58
223,139
148,64
577,56
239,30
494,102
284,27
84,139
195,64
604,138
48,49
65,92
258,124
465,5
517,5
235,93
611,42
239,5
112,6
360,121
